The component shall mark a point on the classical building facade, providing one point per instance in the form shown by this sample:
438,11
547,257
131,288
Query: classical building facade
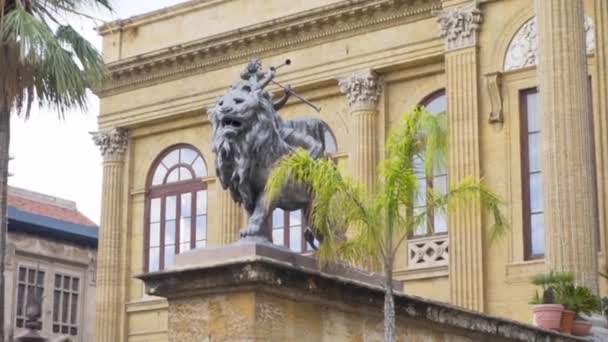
52,252
524,85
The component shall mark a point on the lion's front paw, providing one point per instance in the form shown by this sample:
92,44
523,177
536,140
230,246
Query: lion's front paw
250,230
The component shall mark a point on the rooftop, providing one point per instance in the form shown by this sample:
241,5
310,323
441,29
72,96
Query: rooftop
41,214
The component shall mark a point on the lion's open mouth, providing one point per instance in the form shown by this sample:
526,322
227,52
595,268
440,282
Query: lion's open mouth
229,122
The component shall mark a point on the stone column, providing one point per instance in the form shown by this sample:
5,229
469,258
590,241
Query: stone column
363,90
459,28
113,145
601,115
568,199
230,218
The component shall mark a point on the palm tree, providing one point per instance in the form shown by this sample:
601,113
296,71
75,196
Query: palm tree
377,224
43,59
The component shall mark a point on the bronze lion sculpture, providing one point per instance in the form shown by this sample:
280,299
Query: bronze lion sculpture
249,137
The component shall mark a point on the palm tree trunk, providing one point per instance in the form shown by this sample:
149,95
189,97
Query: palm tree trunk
5,134
389,308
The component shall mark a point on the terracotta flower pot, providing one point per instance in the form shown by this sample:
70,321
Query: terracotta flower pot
581,328
567,321
548,316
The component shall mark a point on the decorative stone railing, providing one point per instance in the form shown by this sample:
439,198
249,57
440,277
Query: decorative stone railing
427,252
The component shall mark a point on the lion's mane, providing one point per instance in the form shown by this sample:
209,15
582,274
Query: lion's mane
238,157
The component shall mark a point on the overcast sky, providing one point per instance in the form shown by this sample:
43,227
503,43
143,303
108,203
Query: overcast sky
59,158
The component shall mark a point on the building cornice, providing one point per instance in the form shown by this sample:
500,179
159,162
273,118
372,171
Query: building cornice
328,23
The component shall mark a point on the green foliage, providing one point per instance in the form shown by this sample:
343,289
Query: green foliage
579,299
548,282
377,224
53,66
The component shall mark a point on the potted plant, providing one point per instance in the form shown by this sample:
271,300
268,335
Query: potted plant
547,313
580,300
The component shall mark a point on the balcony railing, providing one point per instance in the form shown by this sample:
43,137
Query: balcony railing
427,252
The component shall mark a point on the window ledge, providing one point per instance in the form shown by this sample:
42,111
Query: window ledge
147,304
422,273
521,272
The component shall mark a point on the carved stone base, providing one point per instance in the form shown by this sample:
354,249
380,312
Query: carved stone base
250,291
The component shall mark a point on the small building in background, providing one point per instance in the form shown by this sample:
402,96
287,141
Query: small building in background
52,249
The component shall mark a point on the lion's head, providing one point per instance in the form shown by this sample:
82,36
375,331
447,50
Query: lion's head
244,124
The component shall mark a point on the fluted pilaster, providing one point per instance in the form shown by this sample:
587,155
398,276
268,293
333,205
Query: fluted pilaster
568,195
363,90
459,28
109,308
601,115
229,218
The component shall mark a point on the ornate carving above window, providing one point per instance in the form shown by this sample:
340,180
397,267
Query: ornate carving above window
523,49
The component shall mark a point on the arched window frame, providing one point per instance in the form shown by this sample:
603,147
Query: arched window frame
287,223
430,226
196,190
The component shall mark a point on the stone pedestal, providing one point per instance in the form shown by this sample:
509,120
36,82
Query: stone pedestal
250,291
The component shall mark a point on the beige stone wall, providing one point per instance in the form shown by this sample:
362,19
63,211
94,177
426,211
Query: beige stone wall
52,257
410,57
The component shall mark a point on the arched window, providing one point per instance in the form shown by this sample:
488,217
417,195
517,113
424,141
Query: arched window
176,206
289,226
436,221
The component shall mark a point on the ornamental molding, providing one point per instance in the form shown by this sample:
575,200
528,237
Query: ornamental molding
362,89
493,82
329,23
523,49
112,143
460,25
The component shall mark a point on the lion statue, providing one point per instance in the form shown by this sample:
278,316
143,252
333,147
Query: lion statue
249,137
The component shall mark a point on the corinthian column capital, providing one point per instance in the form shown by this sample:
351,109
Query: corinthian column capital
112,143
362,89
460,25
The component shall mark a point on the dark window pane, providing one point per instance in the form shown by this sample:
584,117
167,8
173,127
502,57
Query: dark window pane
64,329
75,284
22,271
65,306
55,328
57,281
56,300
19,323
201,227
154,234
40,278
201,202
74,310
66,282
170,207
74,331
153,263
31,275
169,232
20,299
536,192
534,152
155,210
538,234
